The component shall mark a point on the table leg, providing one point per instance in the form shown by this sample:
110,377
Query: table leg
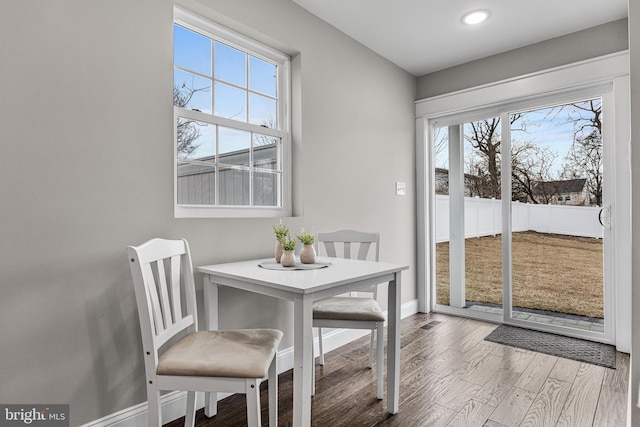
211,320
302,354
393,346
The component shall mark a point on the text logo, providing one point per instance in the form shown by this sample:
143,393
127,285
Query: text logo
34,415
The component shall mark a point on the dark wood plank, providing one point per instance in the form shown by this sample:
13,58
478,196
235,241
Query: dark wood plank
535,375
565,370
450,376
496,389
474,414
612,408
513,408
582,402
618,378
546,407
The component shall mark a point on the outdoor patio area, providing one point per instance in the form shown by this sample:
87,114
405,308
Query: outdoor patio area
539,316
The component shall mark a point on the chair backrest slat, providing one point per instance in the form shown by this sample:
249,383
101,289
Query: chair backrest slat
364,250
175,286
162,271
330,247
347,238
189,286
164,293
151,290
347,249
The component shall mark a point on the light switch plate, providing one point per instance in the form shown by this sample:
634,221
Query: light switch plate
401,189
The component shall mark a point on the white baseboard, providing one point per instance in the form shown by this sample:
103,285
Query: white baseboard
174,403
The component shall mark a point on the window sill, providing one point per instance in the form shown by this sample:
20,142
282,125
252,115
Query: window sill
192,211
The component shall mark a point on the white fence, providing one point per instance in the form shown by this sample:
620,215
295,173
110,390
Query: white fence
483,217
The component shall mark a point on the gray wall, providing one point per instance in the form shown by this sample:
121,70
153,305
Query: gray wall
589,43
86,169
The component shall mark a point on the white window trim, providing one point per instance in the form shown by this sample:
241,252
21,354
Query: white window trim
197,23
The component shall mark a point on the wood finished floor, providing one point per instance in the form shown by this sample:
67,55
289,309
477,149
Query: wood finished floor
451,377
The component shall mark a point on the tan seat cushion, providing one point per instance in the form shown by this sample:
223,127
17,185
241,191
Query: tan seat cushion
348,308
243,353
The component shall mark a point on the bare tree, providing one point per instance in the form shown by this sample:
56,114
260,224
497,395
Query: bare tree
477,181
584,159
186,129
484,136
531,165
441,147
264,140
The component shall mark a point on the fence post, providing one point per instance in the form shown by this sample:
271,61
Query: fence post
493,216
477,217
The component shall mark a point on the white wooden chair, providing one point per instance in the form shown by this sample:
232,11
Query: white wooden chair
353,311
234,361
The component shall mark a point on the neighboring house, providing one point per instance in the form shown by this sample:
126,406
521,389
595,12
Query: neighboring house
474,186
572,192
196,183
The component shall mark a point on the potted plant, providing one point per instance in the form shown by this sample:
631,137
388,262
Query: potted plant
308,253
282,232
288,258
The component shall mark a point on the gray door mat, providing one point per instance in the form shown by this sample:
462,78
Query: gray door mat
555,345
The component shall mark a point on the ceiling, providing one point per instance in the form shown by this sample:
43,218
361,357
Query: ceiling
423,36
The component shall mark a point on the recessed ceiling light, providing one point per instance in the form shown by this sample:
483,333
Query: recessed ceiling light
475,17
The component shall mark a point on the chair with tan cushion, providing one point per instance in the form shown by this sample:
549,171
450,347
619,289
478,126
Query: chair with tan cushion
179,357
353,311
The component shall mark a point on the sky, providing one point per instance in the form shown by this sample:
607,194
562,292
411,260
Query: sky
551,127
231,83
546,127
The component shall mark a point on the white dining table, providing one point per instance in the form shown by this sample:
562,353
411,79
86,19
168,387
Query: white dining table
303,287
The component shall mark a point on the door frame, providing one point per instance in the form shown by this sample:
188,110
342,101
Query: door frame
610,71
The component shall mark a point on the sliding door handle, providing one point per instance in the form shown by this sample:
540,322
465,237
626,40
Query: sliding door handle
607,220
600,217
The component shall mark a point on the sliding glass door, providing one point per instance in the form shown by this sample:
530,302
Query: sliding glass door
521,216
558,212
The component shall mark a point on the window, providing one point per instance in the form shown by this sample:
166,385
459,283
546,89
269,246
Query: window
231,125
